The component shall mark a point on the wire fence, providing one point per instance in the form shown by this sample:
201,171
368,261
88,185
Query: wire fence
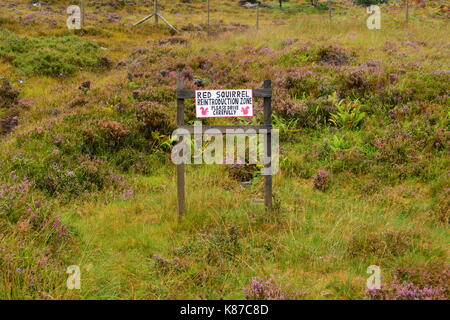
256,14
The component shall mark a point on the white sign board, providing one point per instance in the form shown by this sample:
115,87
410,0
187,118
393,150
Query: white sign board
224,103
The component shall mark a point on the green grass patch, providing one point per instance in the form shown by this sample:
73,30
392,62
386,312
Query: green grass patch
50,56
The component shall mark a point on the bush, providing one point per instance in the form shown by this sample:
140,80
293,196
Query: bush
416,283
261,289
332,55
51,56
153,117
321,180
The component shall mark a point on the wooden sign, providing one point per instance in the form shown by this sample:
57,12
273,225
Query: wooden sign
248,96
223,103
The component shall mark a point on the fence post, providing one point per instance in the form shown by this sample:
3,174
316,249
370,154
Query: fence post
329,9
155,5
209,8
180,167
257,17
82,13
407,11
268,122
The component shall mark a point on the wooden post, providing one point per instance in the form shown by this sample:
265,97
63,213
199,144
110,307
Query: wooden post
329,9
82,13
268,122
407,11
257,17
155,5
180,167
208,16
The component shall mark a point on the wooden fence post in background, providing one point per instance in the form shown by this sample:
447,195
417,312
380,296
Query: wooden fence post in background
155,7
157,16
407,11
329,9
180,167
268,123
209,8
82,13
257,17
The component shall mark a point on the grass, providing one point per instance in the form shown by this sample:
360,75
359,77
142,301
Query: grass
387,174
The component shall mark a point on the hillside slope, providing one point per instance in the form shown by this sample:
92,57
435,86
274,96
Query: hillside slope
87,180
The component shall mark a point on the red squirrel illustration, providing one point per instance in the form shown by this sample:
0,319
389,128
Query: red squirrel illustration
204,111
245,110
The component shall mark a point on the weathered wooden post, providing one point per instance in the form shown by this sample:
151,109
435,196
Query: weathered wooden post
268,124
257,17
329,9
407,11
208,16
157,16
180,167
155,9
82,13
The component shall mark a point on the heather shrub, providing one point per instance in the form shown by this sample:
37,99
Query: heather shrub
321,180
165,265
427,87
51,56
58,178
114,132
240,171
161,95
360,83
333,55
408,148
25,220
8,95
10,107
153,116
14,197
304,83
310,113
263,289
417,282
395,146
